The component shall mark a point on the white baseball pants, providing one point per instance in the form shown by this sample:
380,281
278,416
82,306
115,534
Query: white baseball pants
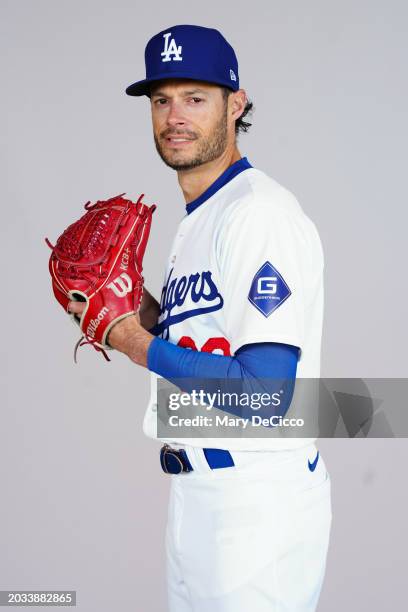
253,537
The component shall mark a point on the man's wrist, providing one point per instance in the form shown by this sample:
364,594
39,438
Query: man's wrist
131,339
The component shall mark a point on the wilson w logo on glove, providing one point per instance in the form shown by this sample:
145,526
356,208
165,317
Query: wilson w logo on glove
99,260
121,285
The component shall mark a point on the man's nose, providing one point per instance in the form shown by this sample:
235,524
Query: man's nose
175,116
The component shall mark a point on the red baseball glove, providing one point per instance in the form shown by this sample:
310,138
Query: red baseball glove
98,260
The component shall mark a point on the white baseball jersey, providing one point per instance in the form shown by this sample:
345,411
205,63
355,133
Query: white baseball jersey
246,266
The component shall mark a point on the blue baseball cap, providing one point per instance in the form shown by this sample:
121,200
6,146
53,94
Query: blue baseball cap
188,52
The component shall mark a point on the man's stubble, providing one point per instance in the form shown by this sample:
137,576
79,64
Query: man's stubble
210,147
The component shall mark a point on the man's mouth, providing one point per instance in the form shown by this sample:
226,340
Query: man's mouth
178,140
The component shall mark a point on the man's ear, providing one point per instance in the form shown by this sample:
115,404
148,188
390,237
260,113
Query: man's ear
238,101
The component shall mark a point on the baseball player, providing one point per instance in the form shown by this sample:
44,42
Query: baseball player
249,518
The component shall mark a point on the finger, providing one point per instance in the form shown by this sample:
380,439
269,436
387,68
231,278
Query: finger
76,307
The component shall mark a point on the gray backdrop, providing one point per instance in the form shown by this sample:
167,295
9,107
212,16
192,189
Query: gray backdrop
83,500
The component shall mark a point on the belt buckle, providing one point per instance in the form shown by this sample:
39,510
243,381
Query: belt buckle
169,458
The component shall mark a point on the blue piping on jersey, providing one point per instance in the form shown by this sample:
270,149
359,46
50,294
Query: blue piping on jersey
228,174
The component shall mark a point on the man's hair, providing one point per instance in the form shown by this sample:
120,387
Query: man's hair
240,124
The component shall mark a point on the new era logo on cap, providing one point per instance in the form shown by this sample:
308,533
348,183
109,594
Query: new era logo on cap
188,52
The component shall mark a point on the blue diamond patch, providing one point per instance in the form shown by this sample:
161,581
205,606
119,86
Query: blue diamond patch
268,289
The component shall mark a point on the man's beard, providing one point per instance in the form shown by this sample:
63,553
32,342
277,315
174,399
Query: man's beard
209,148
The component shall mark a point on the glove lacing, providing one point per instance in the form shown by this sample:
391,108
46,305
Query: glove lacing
84,340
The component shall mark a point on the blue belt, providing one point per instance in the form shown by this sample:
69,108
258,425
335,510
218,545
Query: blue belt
175,461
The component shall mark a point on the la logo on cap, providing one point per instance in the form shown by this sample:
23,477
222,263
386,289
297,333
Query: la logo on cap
171,49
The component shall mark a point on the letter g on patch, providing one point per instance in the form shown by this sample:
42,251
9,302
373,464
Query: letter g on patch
268,289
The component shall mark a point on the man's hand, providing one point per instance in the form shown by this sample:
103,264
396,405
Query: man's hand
126,336
79,307
76,307
147,315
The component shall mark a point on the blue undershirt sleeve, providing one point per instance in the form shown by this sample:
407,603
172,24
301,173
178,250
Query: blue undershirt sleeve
264,367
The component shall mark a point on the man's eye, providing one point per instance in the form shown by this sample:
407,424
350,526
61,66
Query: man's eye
197,100
160,101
